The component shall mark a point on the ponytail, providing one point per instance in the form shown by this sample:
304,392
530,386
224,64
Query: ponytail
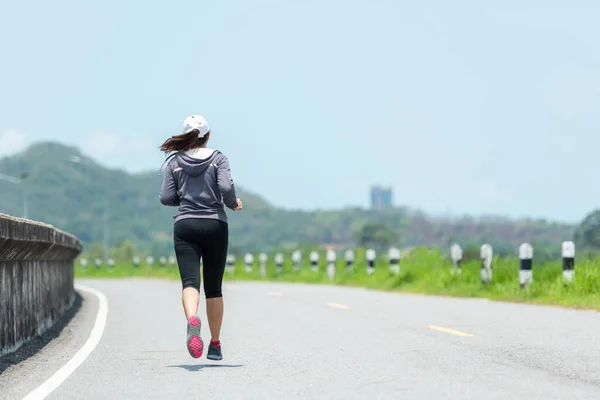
182,142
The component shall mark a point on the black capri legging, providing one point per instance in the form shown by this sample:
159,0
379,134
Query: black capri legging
208,239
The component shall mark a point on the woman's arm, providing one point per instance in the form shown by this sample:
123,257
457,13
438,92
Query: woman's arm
168,191
225,183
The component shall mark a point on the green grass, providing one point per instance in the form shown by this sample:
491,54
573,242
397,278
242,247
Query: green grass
423,272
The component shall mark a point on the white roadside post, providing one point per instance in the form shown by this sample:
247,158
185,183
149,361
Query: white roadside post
262,259
279,262
349,257
149,261
297,260
394,258
371,256
331,257
486,254
568,261
249,261
314,260
111,263
83,262
172,260
230,263
525,265
163,261
136,261
456,254
98,262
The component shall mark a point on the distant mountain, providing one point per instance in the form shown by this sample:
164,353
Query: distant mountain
68,190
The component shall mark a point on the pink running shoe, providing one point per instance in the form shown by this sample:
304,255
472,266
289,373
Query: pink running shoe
195,344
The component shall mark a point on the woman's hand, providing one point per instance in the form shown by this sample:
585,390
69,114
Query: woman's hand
239,205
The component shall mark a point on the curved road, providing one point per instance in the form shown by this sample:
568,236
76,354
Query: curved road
284,341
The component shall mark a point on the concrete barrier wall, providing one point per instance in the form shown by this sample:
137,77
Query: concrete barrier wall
36,278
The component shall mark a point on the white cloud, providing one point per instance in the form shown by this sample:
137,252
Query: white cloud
111,144
143,145
12,141
115,150
103,143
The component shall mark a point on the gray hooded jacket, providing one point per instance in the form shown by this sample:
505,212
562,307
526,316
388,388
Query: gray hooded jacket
199,186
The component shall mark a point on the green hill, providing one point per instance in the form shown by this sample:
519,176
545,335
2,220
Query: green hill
71,195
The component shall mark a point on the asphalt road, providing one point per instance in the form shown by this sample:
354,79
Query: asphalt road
285,341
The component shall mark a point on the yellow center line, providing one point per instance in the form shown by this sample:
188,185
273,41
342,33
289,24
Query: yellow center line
338,305
450,331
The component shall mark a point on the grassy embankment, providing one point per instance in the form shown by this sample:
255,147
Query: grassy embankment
422,271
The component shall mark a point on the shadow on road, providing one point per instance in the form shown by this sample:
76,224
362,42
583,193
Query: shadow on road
198,367
33,346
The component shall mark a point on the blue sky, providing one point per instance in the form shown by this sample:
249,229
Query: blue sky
462,107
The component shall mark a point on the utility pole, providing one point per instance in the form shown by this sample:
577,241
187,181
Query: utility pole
24,176
105,228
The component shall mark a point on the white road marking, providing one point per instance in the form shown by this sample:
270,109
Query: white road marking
62,374
450,331
338,305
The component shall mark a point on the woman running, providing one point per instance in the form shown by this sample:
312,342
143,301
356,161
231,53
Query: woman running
198,180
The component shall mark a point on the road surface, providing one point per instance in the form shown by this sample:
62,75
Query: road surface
284,341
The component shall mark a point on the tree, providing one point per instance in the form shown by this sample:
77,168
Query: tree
587,234
94,250
375,235
125,252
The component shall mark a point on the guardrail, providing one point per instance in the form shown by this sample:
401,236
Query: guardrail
36,279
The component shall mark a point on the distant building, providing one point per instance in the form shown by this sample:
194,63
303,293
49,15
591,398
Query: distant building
381,197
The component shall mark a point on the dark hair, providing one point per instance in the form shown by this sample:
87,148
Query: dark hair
184,142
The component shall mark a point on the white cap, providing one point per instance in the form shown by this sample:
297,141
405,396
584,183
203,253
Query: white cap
196,122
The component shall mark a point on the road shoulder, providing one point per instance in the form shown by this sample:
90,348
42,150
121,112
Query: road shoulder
32,364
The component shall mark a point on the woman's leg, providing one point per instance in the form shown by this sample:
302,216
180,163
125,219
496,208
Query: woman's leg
190,299
188,258
215,257
214,311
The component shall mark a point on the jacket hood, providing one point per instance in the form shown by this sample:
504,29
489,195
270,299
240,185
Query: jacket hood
194,166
